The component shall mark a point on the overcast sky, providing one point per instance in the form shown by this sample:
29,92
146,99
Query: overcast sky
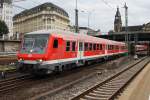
102,12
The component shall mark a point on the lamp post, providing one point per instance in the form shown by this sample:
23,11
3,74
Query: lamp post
88,18
89,13
126,27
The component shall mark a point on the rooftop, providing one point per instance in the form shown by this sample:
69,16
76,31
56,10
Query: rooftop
5,1
45,6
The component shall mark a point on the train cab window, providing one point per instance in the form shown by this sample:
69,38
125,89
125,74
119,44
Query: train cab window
55,44
90,48
68,46
85,46
73,46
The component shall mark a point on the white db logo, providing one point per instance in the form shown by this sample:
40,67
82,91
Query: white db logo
29,55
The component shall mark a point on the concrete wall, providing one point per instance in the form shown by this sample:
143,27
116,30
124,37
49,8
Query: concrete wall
9,45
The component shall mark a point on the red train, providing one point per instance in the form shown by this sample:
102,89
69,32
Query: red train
141,48
51,50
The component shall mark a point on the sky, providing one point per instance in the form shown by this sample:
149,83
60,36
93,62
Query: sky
101,12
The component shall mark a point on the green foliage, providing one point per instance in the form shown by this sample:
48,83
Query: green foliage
3,28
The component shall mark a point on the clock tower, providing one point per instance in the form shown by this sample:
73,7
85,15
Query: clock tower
117,22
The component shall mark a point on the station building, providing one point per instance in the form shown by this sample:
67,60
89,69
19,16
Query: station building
44,16
6,15
136,28
132,35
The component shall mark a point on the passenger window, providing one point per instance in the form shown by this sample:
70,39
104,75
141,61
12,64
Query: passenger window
85,46
94,47
101,47
68,46
97,46
73,46
55,44
90,46
80,46
109,48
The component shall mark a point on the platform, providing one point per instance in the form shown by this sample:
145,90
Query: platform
139,88
7,68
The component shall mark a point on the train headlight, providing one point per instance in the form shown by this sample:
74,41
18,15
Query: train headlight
20,59
40,60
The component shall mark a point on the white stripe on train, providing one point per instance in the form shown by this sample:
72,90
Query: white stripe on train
69,59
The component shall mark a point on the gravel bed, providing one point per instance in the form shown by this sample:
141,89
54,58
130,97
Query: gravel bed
42,85
81,86
77,88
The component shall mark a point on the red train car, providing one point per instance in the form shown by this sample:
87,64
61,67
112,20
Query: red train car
141,48
52,50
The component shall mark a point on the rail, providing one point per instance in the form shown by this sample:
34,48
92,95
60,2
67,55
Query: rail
112,86
15,82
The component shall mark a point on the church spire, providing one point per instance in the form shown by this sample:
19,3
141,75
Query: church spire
117,22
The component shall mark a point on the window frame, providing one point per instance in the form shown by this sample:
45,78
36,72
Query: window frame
94,46
90,47
86,46
73,46
68,46
55,43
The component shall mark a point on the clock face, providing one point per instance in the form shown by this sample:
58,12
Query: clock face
117,17
29,55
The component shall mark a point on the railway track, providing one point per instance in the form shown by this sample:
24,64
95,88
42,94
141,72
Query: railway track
112,86
12,83
5,60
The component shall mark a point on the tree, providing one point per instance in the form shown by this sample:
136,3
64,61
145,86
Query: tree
3,28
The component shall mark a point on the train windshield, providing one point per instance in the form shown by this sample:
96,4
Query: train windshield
34,43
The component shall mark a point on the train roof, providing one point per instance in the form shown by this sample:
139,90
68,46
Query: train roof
67,35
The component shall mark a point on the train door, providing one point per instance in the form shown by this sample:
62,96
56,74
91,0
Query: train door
80,50
106,49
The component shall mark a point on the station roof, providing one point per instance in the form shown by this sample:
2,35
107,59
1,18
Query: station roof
120,36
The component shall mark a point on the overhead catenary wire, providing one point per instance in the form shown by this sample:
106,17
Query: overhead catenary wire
108,4
19,7
16,1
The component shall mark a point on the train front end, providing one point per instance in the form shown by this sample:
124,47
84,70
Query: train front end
32,53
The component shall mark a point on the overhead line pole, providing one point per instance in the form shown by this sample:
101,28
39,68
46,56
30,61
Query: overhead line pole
126,26
76,18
